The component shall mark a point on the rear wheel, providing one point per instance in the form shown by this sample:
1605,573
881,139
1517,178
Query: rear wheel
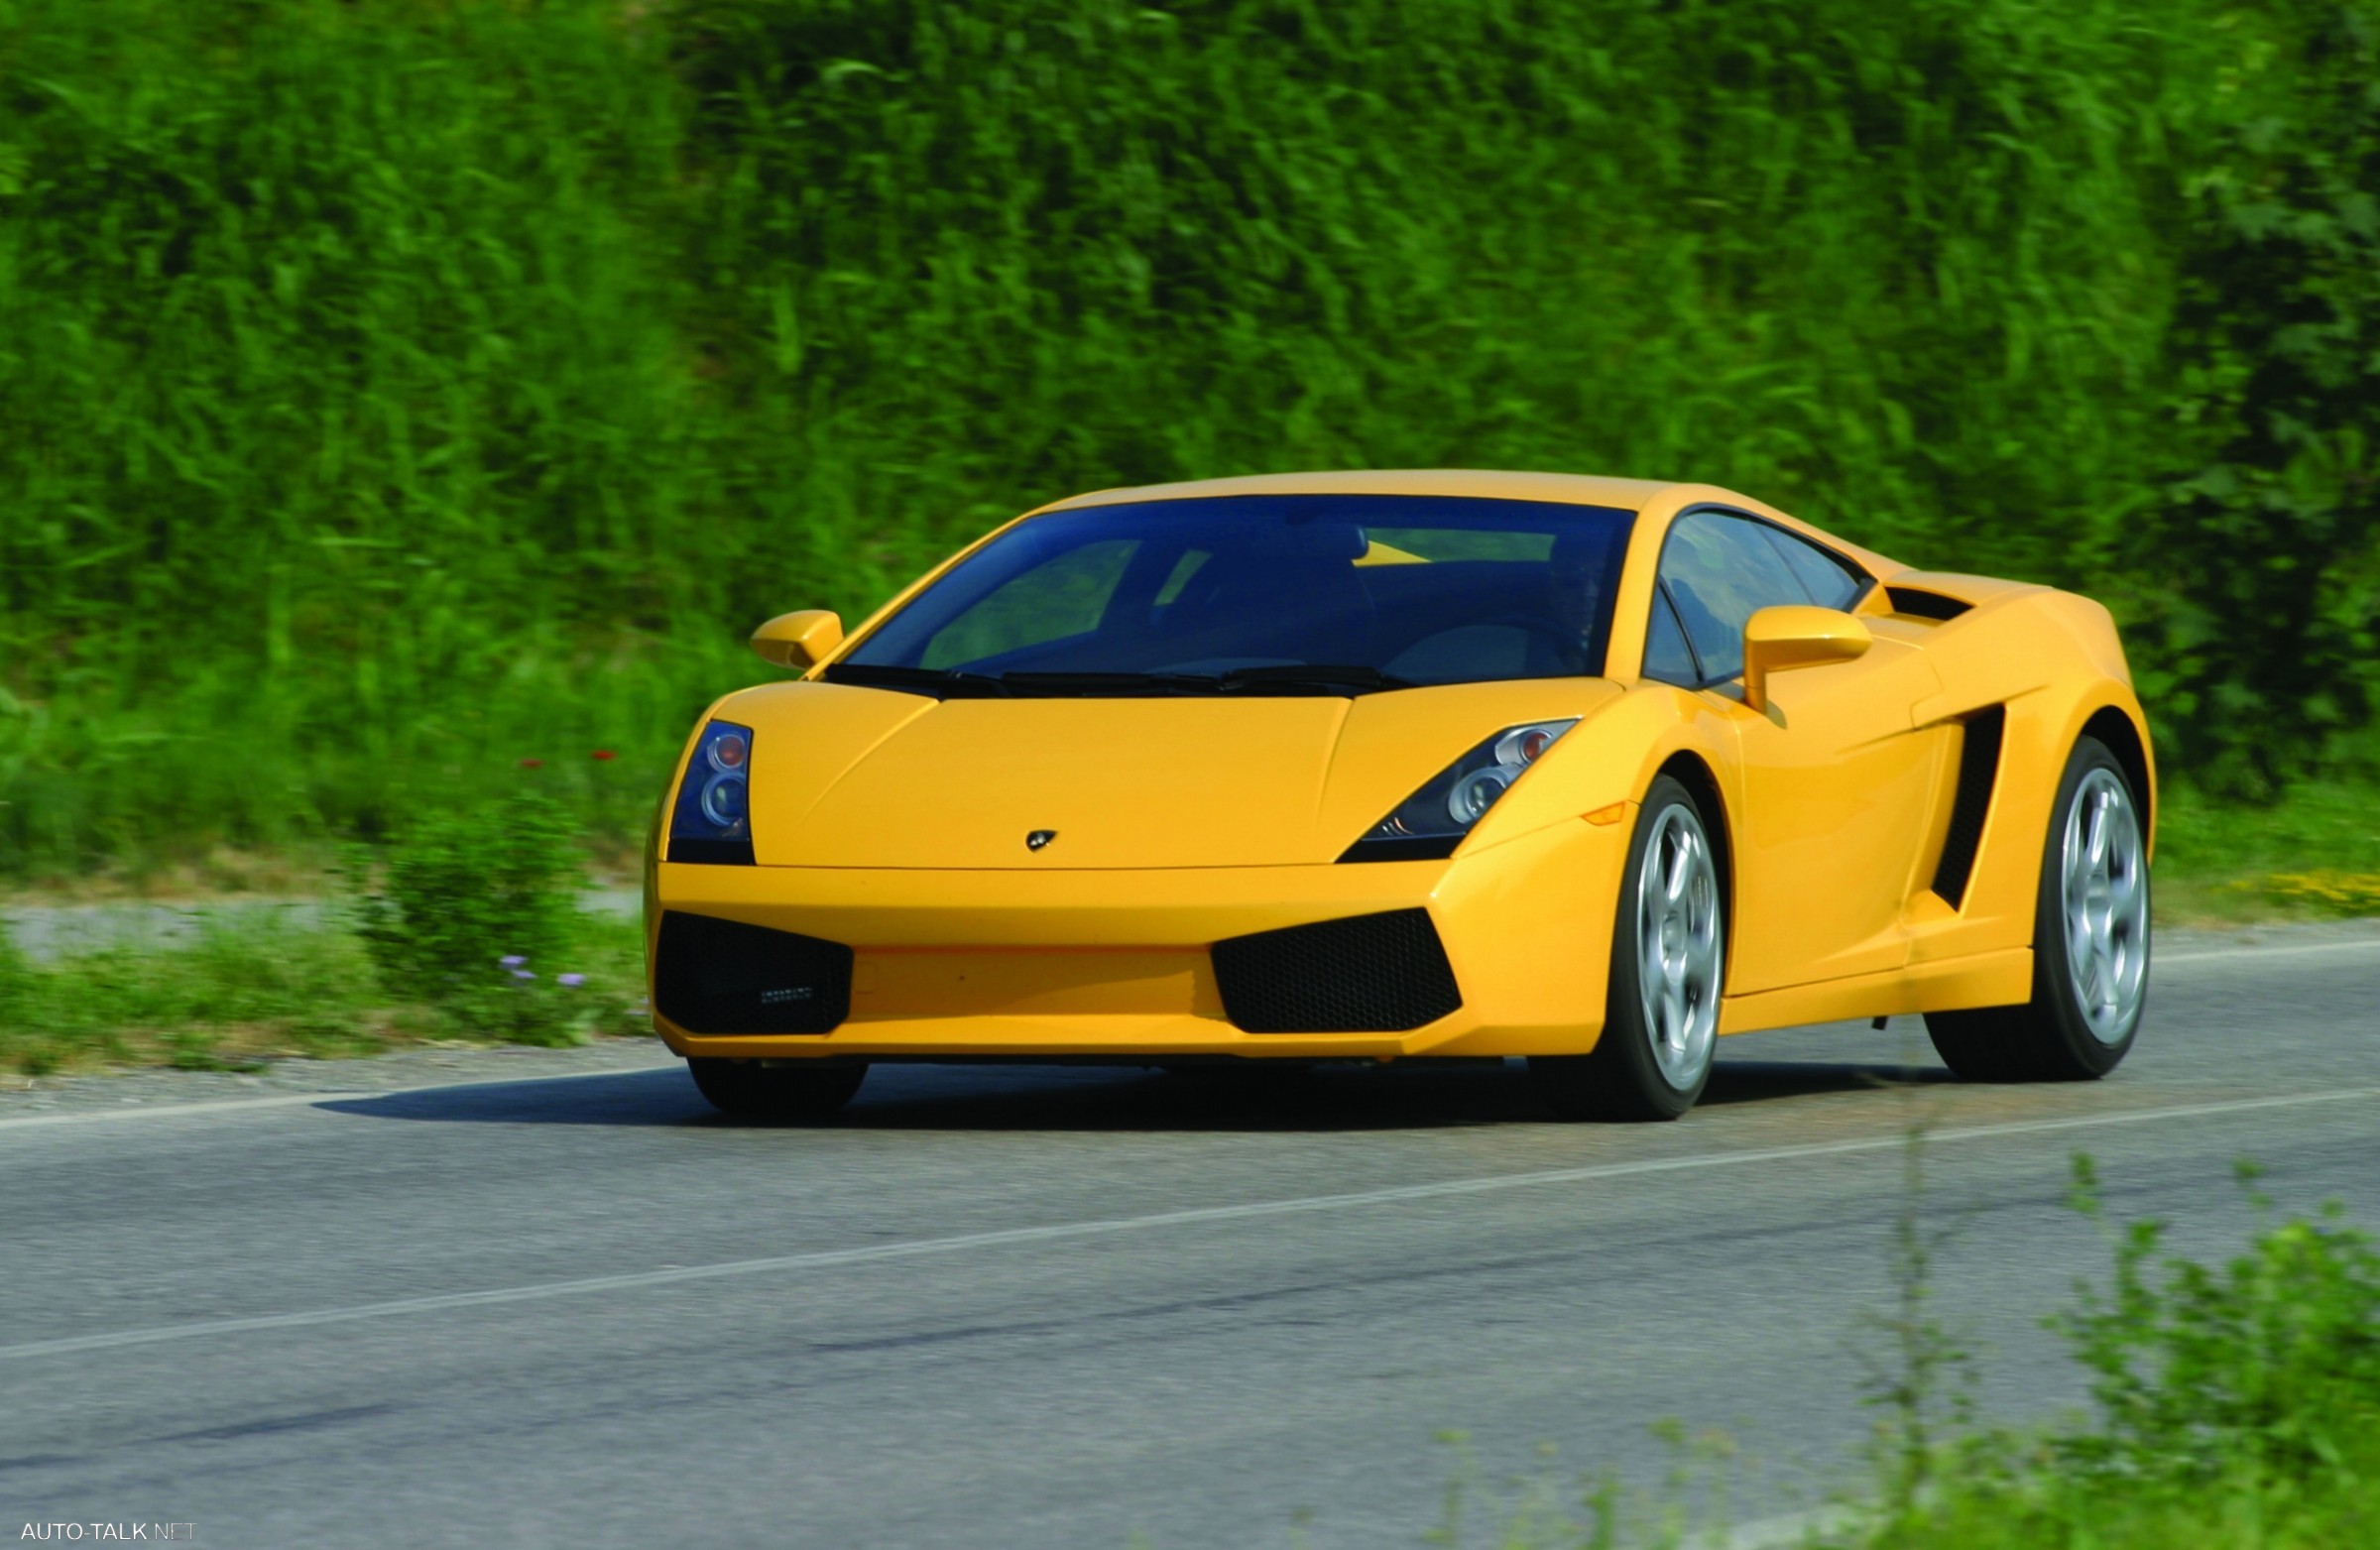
2091,943
787,1092
1668,961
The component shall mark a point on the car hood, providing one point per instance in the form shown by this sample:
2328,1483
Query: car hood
850,776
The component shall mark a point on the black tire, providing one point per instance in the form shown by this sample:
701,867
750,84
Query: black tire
778,1093
1623,1077
2052,1038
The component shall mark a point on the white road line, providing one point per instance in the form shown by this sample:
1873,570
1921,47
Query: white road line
153,1112
1062,1232
2159,960
287,1100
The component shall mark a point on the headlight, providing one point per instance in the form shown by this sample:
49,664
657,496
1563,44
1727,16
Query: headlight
713,818
1431,822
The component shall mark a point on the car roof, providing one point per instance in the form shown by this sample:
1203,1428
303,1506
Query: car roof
1575,489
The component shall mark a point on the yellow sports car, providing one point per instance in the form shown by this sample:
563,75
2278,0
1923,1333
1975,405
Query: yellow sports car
1408,767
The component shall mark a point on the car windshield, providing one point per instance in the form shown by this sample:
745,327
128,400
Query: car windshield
1337,594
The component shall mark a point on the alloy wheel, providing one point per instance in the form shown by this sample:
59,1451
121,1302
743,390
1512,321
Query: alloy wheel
2104,886
1679,946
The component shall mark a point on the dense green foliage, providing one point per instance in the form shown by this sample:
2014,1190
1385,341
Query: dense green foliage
2279,330
392,392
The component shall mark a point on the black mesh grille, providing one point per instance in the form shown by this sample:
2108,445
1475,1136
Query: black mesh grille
713,976
1979,768
1369,974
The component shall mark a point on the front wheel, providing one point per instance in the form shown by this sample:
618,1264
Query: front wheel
1668,963
2091,943
773,1091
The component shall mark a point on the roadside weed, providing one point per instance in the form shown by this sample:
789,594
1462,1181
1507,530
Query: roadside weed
2268,1366
1921,1378
471,913
2234,1405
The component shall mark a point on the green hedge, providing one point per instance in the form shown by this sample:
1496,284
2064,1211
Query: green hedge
395,390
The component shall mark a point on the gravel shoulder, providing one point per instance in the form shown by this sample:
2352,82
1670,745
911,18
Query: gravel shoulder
48,932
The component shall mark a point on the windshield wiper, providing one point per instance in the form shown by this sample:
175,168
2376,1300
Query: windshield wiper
1282,678
940,682
1089,683
1310,678
958,684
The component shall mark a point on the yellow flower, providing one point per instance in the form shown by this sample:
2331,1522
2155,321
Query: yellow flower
2338,893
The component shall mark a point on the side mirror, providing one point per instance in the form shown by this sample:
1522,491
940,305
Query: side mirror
799,641
1796,636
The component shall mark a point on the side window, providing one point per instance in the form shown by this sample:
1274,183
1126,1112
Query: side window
1720,571
1828,581
1062,596
1667,657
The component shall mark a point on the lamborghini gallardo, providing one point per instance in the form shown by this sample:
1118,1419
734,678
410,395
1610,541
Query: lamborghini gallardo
1408,767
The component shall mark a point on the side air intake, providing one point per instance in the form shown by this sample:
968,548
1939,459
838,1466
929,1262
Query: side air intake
712,976
1918,603
1365,974
1979,772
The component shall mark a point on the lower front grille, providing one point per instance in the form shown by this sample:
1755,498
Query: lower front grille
1365,974
712,976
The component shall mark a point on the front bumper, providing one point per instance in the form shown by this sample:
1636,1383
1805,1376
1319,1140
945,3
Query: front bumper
1116,964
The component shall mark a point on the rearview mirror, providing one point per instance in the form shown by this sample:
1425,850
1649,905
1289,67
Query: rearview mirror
799,641
1796,636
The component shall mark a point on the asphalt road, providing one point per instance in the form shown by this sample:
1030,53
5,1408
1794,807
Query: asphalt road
1071,1307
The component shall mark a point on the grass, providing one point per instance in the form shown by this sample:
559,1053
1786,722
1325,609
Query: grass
2313,853
2037,1505
233,995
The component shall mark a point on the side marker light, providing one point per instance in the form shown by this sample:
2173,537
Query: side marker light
1605,817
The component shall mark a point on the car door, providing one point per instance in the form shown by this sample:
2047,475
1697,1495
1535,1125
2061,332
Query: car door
1833,788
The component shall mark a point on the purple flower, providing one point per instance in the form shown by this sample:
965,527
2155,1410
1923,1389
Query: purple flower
523,973
573,980
511,961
